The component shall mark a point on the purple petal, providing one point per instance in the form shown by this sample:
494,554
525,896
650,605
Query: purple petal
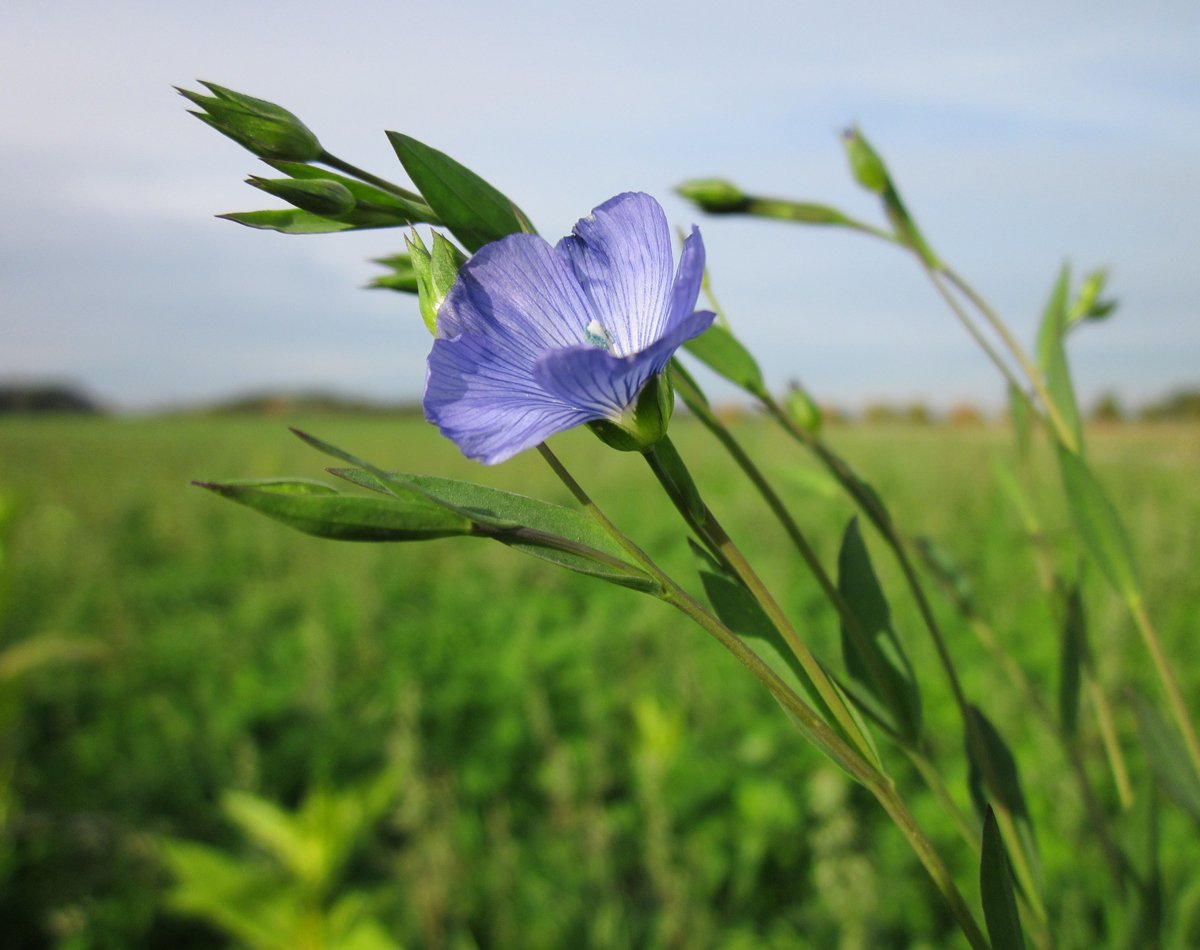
688,278
602,385
487,403
520,291
621,256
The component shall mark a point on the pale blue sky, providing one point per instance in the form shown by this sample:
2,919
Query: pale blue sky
1022,134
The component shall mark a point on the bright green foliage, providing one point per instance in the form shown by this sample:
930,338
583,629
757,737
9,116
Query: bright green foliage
580,766
288,893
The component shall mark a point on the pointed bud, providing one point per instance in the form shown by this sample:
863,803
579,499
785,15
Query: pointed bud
1089,305
643,423
436,271
321,196
803,410
868,168
714,195
267,130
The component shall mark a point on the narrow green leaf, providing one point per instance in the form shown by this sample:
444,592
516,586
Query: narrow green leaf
565,536
403,276
721,352
1015,492
741,612
874,658
1071,661
474,211
998,781
1052,356
288,221
1099,525
1018,407
1168,757
996,890
321,510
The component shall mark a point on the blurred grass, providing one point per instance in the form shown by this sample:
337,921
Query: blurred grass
579,765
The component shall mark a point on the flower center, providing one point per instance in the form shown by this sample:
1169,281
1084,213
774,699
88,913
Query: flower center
598,336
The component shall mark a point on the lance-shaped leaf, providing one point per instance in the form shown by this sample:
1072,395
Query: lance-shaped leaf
996,890
1168,757
993,777
874,658
1099,525
738,609
1018,408
720,351
563,535
1072,658
321,510
296,221
1052,357
474,211
403,276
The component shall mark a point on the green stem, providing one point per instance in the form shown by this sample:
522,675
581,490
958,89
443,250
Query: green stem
325,158
1170,685
827,738
664,461
882,521
1032,373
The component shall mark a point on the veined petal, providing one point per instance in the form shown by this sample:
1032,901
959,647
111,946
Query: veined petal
621,256
688,278
602,385
521,292
487,403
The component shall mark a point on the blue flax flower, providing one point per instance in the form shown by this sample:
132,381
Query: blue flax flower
534,339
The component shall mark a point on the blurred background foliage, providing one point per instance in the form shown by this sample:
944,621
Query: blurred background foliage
217,732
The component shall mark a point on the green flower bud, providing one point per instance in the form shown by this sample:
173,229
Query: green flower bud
436,271
1089,305
714,195
868,168
267,130
802,410
643,423
321,196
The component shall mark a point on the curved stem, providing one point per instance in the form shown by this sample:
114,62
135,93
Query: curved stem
668,469
1032,373
826,738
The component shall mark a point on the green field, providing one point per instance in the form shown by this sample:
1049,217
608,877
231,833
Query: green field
563,763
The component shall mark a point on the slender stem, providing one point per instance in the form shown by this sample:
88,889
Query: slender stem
710,529
825,737
1032,373
1170,685
880,518
325,158
1108,737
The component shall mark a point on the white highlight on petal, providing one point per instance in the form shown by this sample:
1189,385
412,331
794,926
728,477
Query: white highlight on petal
598,336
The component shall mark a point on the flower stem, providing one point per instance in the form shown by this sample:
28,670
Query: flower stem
1170,685
825,737
326,158
673,475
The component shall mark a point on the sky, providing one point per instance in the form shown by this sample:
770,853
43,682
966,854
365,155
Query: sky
1022,135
